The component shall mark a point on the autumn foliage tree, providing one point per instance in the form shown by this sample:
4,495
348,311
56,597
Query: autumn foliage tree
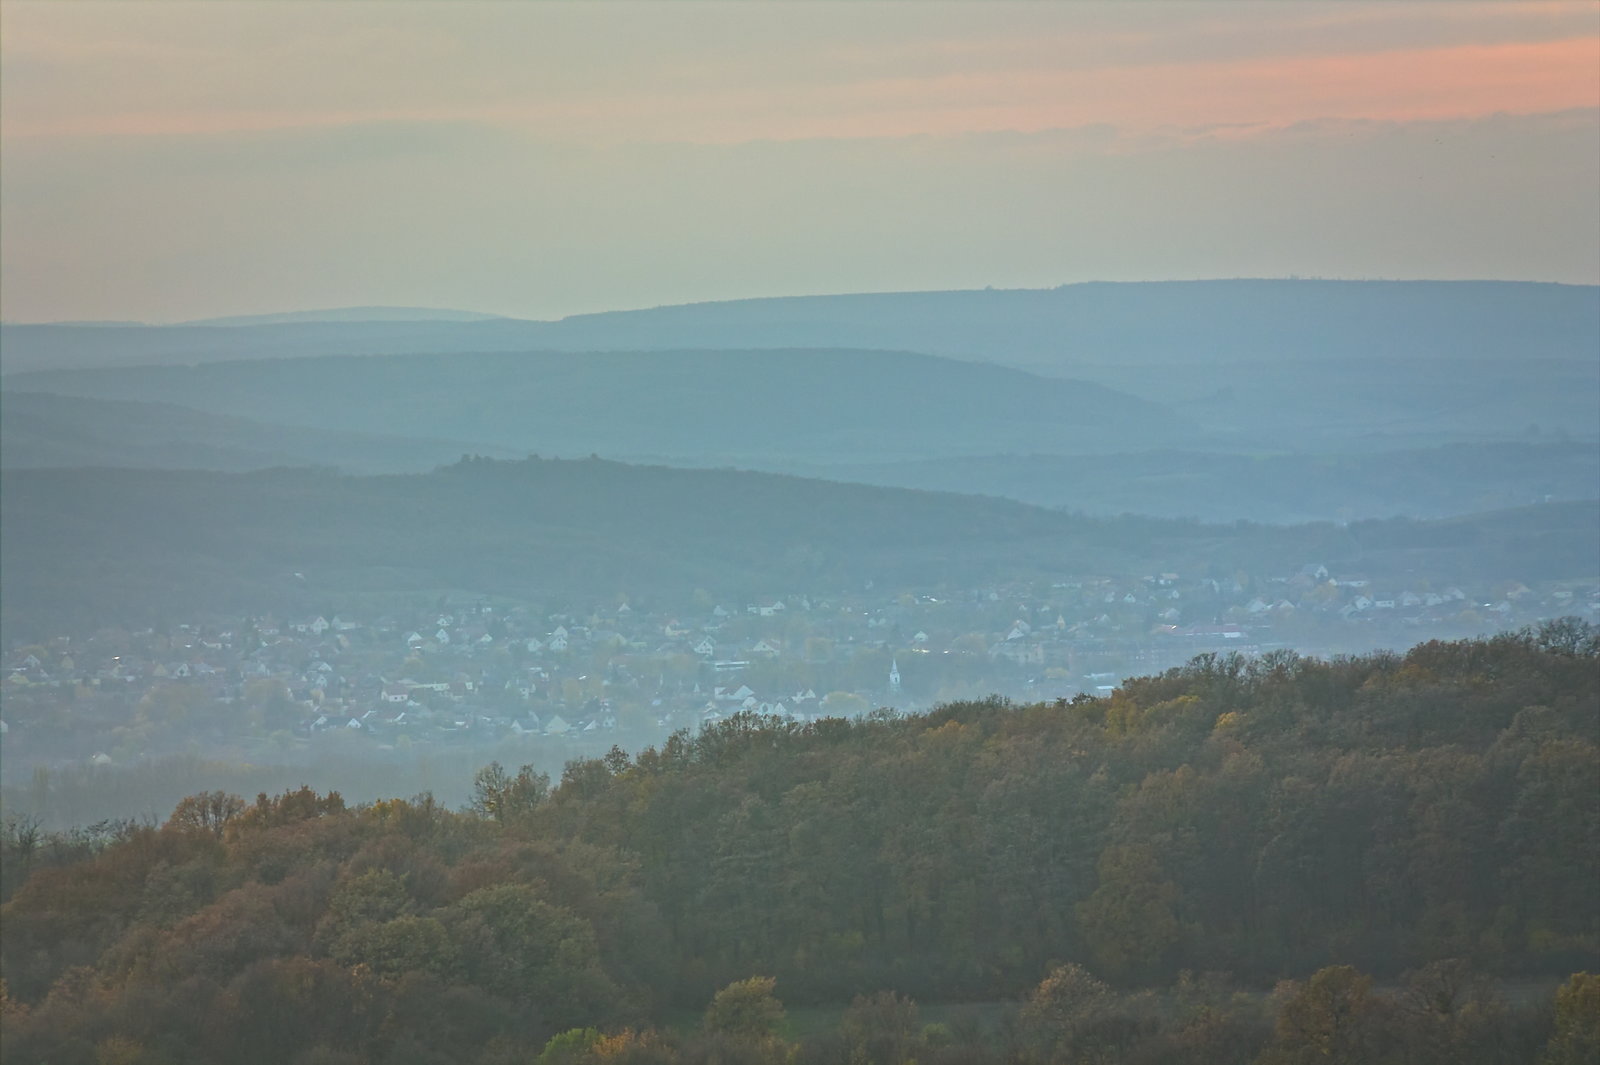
1420,822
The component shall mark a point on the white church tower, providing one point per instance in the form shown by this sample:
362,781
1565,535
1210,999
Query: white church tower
894,677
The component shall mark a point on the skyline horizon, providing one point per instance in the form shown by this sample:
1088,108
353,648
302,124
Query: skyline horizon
168,162
479,314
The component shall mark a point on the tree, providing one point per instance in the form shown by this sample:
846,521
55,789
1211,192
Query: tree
209,811
20,837
571,1047
746,1008
1328,1019
1453,1015
1129,920
1060,1009
844,704
1570,636
374,897
1577,1037
502,797
289,808
881,1029
515,944
267,702
395,948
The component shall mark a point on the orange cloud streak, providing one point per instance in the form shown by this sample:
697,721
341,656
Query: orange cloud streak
1445,83
1403,85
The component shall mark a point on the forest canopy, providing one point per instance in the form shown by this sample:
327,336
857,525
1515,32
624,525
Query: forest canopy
1388,833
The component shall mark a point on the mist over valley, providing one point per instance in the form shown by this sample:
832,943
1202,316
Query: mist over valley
800,534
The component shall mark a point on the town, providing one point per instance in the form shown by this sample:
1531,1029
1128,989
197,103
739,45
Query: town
468,672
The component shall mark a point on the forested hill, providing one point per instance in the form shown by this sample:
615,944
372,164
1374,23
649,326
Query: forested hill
1429,819
38,429
136,546
839,405
1148,323
1152,323
1421,483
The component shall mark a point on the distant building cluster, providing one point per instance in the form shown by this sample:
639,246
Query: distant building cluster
475,672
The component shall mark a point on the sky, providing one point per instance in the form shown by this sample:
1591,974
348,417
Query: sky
170,161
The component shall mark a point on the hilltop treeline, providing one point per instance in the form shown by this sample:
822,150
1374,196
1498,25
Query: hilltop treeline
1429,820
83,548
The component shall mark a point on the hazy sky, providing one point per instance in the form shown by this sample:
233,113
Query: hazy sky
164,161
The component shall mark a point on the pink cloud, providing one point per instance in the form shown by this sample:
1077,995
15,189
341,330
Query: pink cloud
1442,83
1460,81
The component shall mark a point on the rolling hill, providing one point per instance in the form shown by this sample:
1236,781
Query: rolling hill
1144,323
1432,482
1257,365
738,407
129,545
39,430
42,430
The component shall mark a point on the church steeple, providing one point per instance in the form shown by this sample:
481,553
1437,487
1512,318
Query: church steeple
894,676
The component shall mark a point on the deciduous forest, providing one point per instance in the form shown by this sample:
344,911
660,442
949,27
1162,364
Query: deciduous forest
1389,858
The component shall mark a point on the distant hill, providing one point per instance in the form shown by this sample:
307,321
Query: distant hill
38,429
1373,404
348,314
1420,483
1273,365
131,545
1146,323
721,406
1151,323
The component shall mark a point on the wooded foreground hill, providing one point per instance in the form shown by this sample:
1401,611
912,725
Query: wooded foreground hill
134,547
1433,812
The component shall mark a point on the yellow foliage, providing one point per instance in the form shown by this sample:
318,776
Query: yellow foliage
118,1050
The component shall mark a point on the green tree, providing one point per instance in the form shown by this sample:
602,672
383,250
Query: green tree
844,704
1129,922
571,1047
502,797
517,945
745,1008
404,945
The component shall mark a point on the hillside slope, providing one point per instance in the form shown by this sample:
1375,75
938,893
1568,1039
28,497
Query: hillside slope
734,405
1143,323
132,544
38,429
